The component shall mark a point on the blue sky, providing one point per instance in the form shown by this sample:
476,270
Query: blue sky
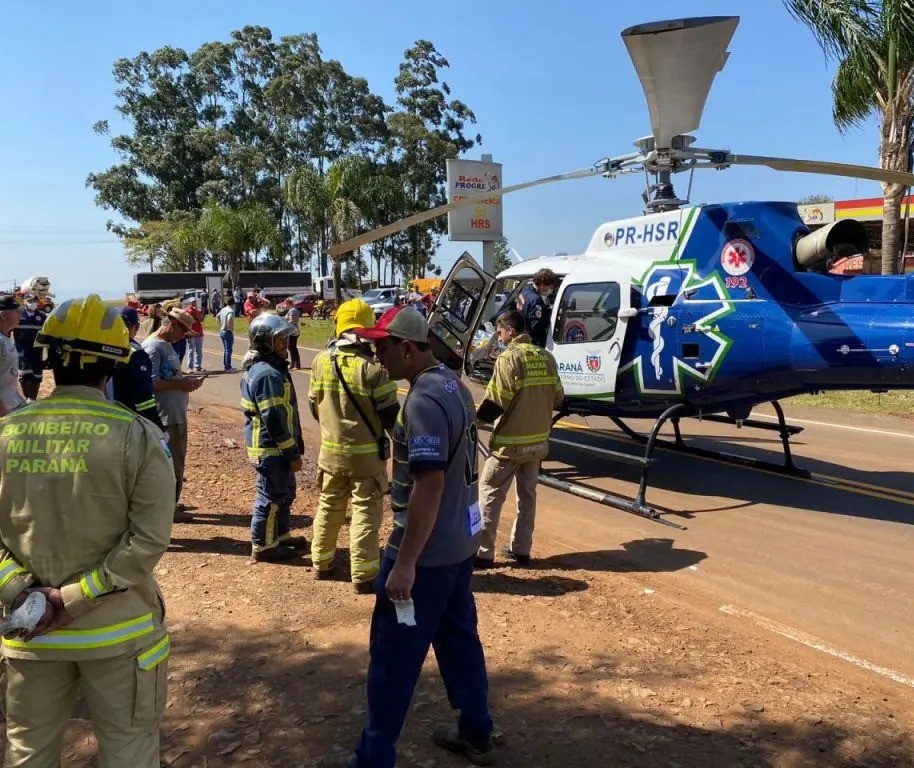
552,87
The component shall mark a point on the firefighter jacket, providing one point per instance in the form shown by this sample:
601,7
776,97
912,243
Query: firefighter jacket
270,407
349,446
526,388
132,385
31,358
87,491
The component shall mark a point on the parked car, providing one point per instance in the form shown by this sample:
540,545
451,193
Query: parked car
195,294
305,303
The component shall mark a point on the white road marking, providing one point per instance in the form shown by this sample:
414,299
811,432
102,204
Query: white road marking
906,435
810,642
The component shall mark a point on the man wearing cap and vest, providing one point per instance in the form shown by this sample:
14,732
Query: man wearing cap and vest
31,358
520,398
356,404
131,384
172,390
87,492
272,435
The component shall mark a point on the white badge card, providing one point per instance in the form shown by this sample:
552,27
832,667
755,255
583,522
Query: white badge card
474,519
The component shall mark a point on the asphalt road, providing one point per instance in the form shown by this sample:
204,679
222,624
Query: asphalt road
824,562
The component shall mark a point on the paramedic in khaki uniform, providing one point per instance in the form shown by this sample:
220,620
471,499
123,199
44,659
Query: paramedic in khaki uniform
87,491
354,445
272,435
522,394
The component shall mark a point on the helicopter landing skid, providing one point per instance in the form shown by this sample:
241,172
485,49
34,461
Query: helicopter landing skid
673,413
634,507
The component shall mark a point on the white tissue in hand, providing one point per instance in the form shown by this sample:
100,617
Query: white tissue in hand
406,612
26,617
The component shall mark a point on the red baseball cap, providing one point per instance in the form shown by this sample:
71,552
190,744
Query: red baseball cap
400,322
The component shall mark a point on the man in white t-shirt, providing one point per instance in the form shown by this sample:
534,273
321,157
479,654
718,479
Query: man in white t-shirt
226,318
10,397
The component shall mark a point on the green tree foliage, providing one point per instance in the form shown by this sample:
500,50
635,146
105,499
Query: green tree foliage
872,42
237,233
271,125
332,203
427,128
502,259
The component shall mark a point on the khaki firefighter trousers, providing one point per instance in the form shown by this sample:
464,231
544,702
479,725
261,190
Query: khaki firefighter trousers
124,701
366,495
494,483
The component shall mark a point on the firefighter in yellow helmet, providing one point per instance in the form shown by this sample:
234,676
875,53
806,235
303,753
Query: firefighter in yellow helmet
356,404
87,493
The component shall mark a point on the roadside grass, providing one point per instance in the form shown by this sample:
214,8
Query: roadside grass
895,402
314,333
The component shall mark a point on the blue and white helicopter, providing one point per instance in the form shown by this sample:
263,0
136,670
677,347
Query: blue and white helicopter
691,311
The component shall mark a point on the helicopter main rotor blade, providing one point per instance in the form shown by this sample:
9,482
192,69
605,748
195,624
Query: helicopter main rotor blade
433,213
826,168
676,62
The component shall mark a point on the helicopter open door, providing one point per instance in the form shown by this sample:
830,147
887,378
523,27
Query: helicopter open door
456,313
590,317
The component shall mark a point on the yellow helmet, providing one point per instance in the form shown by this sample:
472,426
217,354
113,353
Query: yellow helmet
89,327
354,313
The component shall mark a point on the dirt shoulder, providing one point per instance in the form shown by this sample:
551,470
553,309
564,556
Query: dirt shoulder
588,667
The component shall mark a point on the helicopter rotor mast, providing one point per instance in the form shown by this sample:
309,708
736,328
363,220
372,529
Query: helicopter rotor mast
676,73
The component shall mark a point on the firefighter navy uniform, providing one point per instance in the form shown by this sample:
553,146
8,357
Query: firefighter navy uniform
273,438
31,358
536,315
131,385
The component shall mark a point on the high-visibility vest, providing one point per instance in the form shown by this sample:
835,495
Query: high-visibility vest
526,386
348,444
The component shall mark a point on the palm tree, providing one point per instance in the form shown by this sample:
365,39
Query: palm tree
332,205
873,43
234,232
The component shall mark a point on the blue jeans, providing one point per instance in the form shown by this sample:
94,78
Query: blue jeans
228,341
446,620
274,493
195,359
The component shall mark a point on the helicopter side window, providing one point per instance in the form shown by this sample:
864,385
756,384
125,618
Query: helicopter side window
459,303
588,312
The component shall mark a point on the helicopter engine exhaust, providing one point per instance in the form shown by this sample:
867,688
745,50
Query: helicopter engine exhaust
846,237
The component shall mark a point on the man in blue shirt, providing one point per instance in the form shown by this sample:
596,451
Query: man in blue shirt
423,594
533,305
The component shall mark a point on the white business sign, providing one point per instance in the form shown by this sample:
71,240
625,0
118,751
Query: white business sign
480,221
817,213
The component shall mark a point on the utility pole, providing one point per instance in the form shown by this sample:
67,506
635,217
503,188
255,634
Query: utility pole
488,246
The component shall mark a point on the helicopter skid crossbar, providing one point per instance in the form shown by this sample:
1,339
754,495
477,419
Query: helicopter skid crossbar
788,467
